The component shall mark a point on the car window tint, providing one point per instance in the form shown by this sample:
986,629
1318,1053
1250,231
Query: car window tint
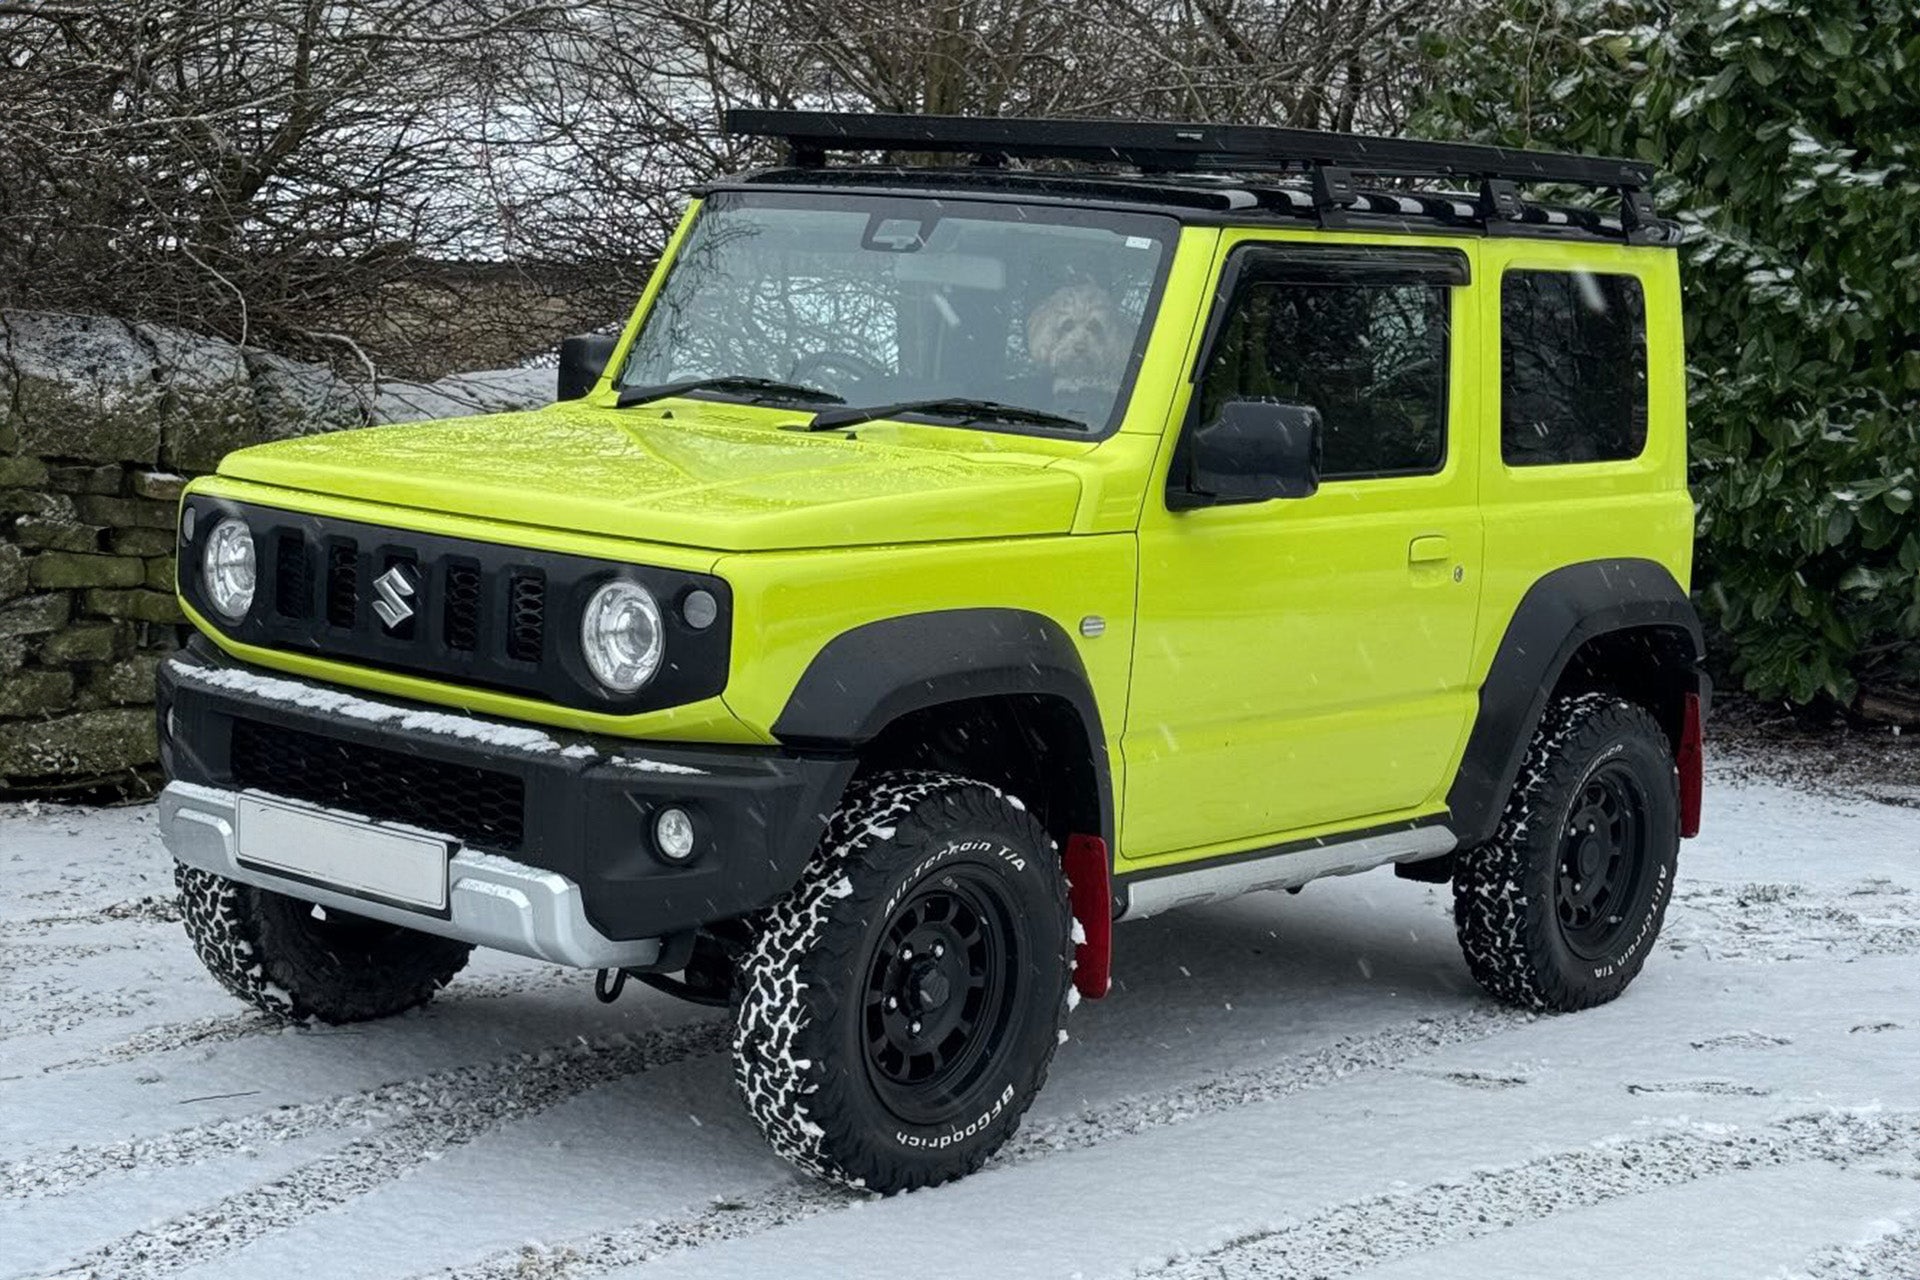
1573,362
1370,356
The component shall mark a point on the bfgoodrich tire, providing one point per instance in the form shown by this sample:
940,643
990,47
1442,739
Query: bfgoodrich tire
901,1005
297,962
1559,910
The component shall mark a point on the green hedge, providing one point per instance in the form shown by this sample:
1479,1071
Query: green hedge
1788,133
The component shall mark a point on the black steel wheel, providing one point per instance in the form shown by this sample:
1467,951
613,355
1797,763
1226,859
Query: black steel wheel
900,1007
1603,861
1560,909
939,994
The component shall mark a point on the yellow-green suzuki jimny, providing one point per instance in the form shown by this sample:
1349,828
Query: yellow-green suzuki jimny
949,560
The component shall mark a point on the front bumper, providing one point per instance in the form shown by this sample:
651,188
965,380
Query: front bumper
491,901
549,832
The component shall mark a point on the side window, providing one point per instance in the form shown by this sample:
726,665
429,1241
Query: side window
1573,367
1365,346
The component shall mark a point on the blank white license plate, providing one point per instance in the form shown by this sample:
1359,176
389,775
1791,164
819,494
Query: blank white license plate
341,853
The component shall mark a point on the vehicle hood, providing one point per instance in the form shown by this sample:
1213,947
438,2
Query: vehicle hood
700,475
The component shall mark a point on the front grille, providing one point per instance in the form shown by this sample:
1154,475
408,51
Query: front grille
469,613
343,584
463,604
526,616
473,805
293,582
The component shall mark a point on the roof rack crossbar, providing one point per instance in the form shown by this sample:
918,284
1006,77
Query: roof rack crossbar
1165,147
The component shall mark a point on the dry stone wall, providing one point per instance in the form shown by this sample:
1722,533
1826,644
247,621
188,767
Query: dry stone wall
101,424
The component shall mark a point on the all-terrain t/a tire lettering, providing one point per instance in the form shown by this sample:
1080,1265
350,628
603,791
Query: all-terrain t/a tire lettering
286,959
1559,910
876,1067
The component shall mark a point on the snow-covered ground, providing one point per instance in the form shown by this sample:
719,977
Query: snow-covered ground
1280,1086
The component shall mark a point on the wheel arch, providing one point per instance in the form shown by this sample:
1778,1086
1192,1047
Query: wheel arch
977,679
1624,625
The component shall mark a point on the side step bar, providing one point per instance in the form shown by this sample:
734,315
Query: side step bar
1287,867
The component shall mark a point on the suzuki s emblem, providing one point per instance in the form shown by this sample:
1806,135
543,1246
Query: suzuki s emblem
393,587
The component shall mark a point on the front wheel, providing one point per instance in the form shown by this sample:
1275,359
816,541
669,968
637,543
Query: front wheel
1559,910
901,1005
299,962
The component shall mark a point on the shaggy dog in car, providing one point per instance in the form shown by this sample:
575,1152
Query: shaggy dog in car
1078,336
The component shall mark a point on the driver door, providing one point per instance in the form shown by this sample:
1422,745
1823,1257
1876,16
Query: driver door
1301,664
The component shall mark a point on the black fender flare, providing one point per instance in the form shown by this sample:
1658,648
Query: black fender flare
1561,612
866,678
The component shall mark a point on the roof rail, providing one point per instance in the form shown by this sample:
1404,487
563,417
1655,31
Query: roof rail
1328,159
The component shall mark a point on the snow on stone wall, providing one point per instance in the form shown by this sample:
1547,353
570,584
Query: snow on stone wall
101,423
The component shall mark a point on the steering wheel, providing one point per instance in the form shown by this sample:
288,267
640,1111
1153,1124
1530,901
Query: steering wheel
843,370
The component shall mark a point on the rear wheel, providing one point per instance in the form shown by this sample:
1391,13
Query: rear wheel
300,962
900,1007
1560,908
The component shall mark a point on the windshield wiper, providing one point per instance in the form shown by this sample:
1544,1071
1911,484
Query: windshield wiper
756,388
957,407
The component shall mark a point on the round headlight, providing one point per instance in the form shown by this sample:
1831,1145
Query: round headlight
620,634
227,569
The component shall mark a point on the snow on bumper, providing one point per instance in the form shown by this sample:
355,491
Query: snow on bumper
492,901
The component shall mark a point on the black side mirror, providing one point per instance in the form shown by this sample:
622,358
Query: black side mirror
1250,451
583,358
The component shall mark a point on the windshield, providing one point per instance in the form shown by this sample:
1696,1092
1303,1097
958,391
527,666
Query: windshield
886,300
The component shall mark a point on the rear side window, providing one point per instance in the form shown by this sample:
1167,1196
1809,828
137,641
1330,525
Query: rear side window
1369,351
1573,361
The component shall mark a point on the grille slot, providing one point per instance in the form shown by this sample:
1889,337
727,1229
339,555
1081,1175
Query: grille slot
476,806
462,622
292,578
343,584
526,615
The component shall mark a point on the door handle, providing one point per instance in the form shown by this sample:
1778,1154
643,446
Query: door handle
1427,549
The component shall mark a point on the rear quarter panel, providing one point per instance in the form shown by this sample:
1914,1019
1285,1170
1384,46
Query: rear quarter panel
1540,518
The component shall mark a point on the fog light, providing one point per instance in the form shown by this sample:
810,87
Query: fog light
673,834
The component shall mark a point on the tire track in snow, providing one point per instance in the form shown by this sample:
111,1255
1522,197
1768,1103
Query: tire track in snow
1894,1254
456,1114
155,908
21,954
604,1251
1352,1056
1297,1073
223,1028
1367,1233
462,1101
1777,922
49,1005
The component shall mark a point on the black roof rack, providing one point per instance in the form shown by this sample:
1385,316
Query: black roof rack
1327,161
1166,147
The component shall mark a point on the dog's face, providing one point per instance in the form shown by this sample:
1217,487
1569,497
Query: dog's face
1077,335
